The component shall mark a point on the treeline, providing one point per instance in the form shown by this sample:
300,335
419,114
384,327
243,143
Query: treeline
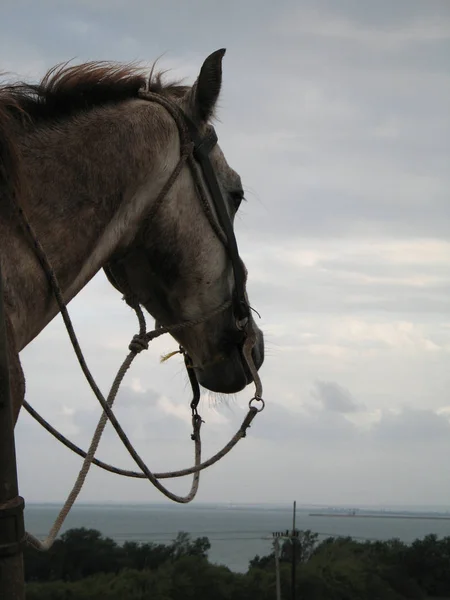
80,553
84,565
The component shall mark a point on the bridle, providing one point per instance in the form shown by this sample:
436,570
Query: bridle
195,150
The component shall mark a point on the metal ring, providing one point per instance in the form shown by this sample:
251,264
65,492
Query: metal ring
257,399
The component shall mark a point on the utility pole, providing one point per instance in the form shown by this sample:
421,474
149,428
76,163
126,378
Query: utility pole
12,586
294,545
292,536
276,546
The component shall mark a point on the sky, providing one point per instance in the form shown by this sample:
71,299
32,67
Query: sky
336,115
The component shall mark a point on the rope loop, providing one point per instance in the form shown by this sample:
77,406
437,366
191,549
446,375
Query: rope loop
138,344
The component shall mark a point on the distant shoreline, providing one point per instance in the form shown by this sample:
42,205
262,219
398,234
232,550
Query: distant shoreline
391,516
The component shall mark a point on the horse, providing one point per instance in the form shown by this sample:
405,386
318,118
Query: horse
92,159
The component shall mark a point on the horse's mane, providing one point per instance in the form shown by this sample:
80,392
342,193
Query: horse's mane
64,91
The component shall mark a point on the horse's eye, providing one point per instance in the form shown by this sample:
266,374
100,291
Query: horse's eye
237,196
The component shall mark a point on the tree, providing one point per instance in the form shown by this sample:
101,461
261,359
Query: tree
428,562
83,552
183,546
335,569
305,543
79,553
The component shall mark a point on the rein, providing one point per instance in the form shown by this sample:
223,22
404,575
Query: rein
193,148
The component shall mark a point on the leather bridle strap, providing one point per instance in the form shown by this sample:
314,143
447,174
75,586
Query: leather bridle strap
202,149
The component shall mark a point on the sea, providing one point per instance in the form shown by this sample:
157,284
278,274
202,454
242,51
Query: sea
238,532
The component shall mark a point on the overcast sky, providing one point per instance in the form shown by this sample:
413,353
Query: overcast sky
336,115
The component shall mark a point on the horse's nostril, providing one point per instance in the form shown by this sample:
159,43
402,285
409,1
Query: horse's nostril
241,324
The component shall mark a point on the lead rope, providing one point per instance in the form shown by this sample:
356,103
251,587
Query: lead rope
138,344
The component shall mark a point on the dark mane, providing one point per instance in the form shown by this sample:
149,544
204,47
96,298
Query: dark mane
64,91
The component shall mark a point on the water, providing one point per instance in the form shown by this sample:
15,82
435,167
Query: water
236,532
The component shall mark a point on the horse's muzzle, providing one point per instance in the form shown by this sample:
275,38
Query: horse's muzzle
231,374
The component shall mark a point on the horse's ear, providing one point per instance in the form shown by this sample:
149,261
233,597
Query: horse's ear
205,91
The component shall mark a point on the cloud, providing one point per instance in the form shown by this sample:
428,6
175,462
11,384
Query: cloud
335,398
363,456
428,28
412,427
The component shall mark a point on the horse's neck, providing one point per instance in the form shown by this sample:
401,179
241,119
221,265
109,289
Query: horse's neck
89,183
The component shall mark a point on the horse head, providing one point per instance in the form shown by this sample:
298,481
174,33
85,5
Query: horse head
183,264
